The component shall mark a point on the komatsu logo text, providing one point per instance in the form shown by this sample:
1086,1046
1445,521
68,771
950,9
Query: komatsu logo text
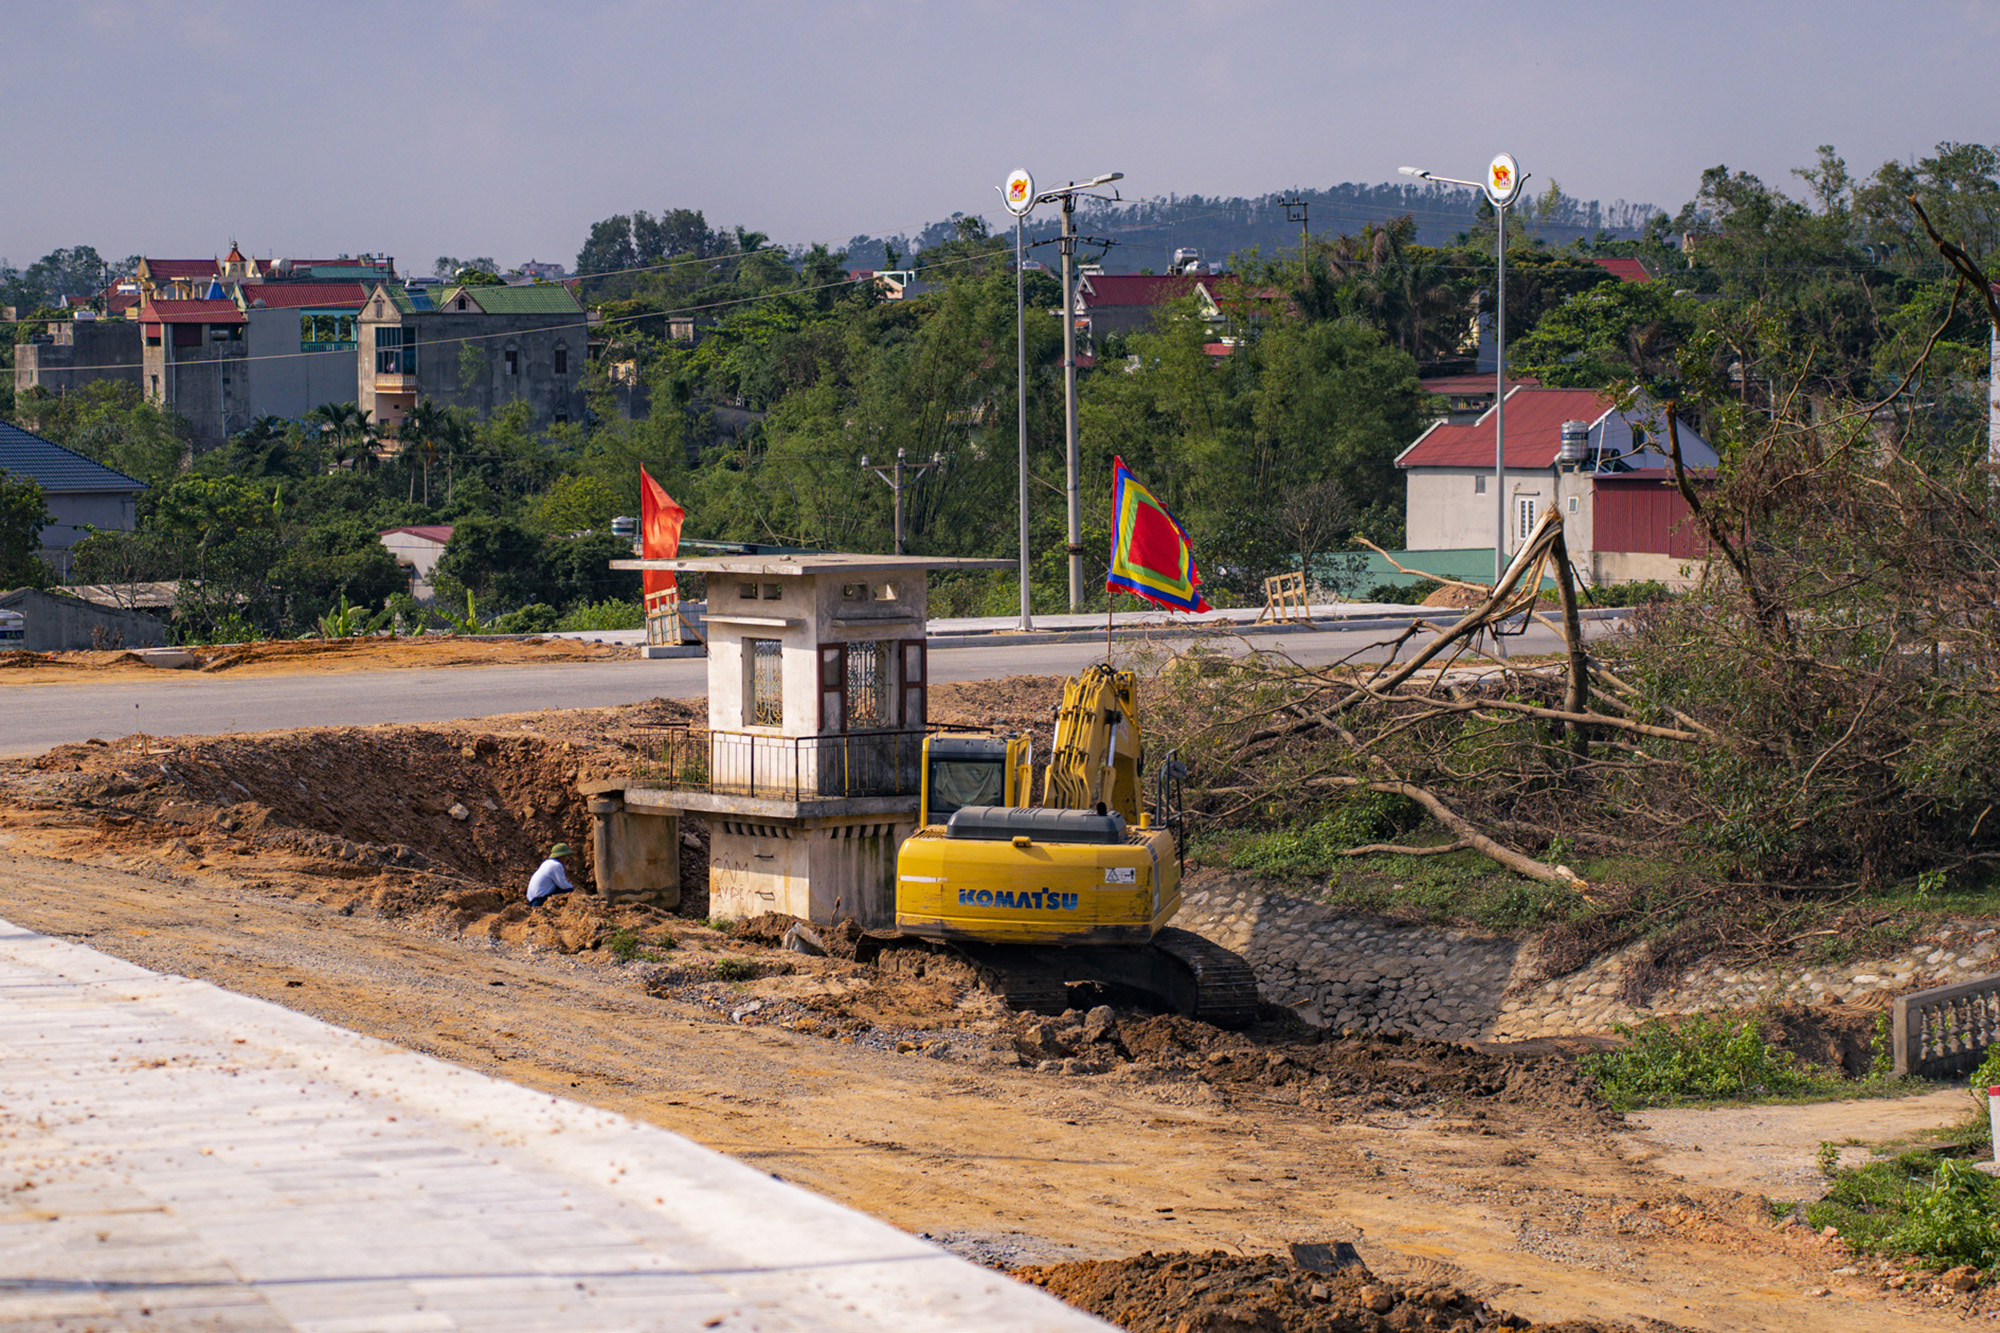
1046,899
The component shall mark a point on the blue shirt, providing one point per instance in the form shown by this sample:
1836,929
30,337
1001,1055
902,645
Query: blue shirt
549,877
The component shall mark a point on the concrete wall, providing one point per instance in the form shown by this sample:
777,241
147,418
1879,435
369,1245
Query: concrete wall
1633,566
827,608
73,514
480,382
209,384
420,554
1446,510
822,870
286,382
60,624
95,349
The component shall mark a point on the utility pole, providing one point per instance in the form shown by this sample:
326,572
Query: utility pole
1073,492
1296,209
1066,196
897,484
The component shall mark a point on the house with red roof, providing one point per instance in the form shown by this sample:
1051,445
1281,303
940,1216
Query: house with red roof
417,549
194,358
1624,518
304,344
1124,303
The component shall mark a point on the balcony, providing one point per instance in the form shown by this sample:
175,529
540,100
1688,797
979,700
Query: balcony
395,383
797,769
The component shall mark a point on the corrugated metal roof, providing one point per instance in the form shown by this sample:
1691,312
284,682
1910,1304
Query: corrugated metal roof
543,298
60,471
292,295
430,532
1534,431
190,312
1623,269
1135,288
169,269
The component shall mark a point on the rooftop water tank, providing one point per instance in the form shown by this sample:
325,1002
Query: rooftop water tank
1575,450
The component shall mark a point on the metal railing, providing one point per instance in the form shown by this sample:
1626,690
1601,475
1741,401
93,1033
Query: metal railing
788,768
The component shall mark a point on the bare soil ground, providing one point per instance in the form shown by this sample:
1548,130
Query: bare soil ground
304,656
373,877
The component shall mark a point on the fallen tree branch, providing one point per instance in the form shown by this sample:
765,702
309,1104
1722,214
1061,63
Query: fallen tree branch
1369,849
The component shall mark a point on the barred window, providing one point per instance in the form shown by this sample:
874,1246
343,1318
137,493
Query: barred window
867,686
767,682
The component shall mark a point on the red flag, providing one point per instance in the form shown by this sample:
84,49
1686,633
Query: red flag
659,532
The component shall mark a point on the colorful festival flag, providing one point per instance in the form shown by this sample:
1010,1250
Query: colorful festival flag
1151,555
659,533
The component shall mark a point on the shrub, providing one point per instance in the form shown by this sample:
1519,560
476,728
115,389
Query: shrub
1625,594
611,613
1702,1059
1953,1222
1408,594
537,618
734,969
1315,849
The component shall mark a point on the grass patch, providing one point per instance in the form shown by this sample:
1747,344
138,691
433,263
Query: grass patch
1923,1202
734,969
626,944
1706,1060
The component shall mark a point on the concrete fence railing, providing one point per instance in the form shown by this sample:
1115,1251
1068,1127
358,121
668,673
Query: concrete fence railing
1946,1030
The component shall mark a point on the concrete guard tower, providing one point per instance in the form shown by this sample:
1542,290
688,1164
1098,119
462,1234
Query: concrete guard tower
818,700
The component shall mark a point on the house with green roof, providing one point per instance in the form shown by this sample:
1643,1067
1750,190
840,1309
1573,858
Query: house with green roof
477,348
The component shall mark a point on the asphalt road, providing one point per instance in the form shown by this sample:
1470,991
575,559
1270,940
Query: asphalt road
185,703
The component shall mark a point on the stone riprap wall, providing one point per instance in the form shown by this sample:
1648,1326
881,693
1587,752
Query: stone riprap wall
1341,970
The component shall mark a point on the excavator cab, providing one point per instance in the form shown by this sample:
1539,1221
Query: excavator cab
971,769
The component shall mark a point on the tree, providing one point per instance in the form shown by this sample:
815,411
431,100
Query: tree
608,248
574,504
348,434
497,560
113,424
24,512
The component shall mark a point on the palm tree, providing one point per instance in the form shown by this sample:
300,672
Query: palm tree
422,426
350,434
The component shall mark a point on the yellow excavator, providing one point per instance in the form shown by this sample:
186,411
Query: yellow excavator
1076,889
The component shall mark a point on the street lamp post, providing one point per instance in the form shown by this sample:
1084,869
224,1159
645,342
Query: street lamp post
1018,194
897,484
1502,185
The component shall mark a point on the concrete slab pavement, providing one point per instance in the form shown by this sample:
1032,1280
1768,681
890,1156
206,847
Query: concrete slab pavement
174,1156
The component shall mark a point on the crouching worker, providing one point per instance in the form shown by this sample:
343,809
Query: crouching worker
552,877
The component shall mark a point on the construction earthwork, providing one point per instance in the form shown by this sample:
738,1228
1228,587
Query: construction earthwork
1155,1172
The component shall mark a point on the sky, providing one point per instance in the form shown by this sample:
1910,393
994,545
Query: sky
506,127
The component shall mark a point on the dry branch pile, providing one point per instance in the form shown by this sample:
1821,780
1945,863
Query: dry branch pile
1820,711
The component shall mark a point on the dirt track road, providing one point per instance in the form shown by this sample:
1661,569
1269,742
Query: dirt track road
1549,1219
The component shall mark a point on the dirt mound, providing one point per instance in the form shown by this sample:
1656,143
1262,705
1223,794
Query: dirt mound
1325,1068
1837,1036
1219,1292
770,928
1455,595
1018,703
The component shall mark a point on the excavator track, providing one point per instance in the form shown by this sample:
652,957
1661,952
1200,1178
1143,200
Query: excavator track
1179,969
1225,987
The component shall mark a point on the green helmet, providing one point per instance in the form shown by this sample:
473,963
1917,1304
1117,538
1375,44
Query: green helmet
561,849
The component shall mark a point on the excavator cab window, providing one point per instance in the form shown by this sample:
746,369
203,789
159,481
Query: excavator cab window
961,771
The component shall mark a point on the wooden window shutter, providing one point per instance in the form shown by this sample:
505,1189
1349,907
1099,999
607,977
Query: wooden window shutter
832,687
915,683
